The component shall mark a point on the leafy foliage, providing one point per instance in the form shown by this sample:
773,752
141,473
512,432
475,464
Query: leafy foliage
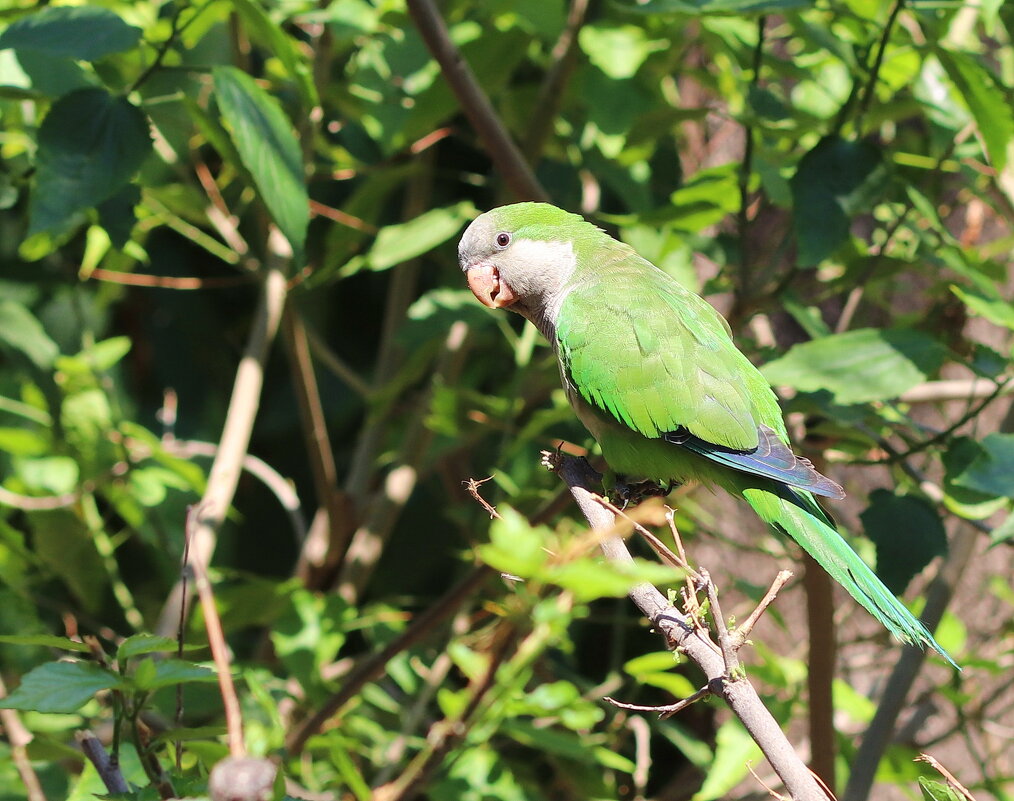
835,177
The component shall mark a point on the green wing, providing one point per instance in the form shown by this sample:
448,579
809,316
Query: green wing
637,345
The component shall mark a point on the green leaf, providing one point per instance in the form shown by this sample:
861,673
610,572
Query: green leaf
267,147
403,241
591,578
834,181
908,533
867,364
45,640
617,50
937,791
992,471
515,546
988,303
60,687
971,504
144,644
1003,533
85,33
90,146
172,671
734,751
20,330
978,88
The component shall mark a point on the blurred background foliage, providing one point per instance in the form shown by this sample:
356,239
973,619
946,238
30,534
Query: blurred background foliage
835,176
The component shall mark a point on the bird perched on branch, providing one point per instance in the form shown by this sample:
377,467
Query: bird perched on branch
652,372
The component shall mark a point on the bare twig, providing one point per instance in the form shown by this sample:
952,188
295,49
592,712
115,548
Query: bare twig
219,649
742,632
564,55
473,489
239,421
680,634
871,84
37,503
956,389
108,770
666,710
506,155
933,762
19,737
725,642
167,281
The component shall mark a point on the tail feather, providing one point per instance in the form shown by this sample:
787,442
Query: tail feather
799,516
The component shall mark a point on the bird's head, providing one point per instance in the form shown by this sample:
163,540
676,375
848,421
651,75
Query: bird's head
519,257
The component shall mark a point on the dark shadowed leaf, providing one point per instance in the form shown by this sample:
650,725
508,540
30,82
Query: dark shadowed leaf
962,453
992,471
82,32
60,687
834,181
860,366
144,644
45,640
908,533
90,145
267,146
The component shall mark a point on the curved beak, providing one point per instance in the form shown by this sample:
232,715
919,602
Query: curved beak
485,283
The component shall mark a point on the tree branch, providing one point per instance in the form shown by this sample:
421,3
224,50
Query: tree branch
679,633
506,155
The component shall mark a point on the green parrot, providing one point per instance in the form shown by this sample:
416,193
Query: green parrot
652,372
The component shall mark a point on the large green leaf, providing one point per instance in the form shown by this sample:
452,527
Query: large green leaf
45,640
908,533
868,364
60,687
267,146
85,33
834,181
90,146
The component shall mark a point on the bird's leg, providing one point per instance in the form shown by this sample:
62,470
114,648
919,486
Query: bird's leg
623,492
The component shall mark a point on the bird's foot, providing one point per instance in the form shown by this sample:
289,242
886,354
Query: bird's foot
630,493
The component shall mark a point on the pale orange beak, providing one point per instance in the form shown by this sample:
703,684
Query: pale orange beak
484,281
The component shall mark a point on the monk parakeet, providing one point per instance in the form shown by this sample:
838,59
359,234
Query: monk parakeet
651,370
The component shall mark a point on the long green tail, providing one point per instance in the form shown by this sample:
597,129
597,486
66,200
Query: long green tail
798,515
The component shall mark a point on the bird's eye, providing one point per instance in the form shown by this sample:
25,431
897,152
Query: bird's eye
503,240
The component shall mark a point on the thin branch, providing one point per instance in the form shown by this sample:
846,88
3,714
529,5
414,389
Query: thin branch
108,770
167,281
933,762
871,84
679,632
506,155
742,632
219,649
725,641
37,503
547,103
955,389
373,667
19,737
318,209
666,710
473,489
243,406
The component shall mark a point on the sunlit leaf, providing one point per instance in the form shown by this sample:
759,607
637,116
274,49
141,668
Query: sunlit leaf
267,146
22,332
859,366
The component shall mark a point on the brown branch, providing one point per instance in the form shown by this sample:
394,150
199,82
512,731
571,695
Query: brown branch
933,762
108,770
666,710
680,634
168,281
506,155
242,412
219,649
318,209
547,103
742,633
19,737
373,667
